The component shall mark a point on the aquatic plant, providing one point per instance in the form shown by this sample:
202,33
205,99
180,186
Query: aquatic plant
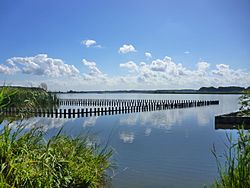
5,96
245,102
26,98
235,172
28,160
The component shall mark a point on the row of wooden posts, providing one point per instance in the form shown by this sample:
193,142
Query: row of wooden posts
127,106
132,102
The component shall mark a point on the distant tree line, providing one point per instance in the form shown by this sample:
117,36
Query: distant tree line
229,89
233,89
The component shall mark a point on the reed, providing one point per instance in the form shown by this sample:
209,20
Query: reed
26,98
5,97
235,172
28,160
245,103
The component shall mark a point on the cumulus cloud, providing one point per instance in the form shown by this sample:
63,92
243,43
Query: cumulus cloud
126,48
94,71
158,74
187,52
148,55
129,65
202,68
8,70
40,64
90,43
167,66
165,73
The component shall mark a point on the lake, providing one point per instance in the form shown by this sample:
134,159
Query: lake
168,148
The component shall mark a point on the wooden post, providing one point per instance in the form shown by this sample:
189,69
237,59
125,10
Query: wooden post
64,113
47,112
82,112
56,113
86,112
90,111
98,111
60,113
78,112
69,113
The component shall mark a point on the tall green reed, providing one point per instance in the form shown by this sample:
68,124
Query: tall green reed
28,160
25,99
235,172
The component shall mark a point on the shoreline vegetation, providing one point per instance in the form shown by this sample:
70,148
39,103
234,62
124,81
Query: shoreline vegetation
27,159
235,171
25,98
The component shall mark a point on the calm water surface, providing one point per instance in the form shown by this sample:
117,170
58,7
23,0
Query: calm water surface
170,148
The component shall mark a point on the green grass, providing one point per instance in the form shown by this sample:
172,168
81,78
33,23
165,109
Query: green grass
235,172
28,160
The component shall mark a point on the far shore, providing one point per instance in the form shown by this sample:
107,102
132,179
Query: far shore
203,90
147,92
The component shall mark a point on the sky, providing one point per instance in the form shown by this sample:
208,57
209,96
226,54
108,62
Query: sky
132,44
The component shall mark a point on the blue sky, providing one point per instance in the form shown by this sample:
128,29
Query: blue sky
80,44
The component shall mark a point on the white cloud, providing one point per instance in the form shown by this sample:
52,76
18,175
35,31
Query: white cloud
88,42
187,52
91,43
157,74
94,71
129,65
40,64
222,70
168,66
126,48
202,66
148,55
165,73
7,70
142,64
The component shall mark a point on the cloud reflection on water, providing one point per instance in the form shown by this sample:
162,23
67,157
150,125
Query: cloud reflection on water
127,137
44,123
148,131
129,123
156,119
203,116
89,122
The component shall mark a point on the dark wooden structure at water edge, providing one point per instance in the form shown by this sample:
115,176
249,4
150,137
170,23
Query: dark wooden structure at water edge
232,120
69,108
